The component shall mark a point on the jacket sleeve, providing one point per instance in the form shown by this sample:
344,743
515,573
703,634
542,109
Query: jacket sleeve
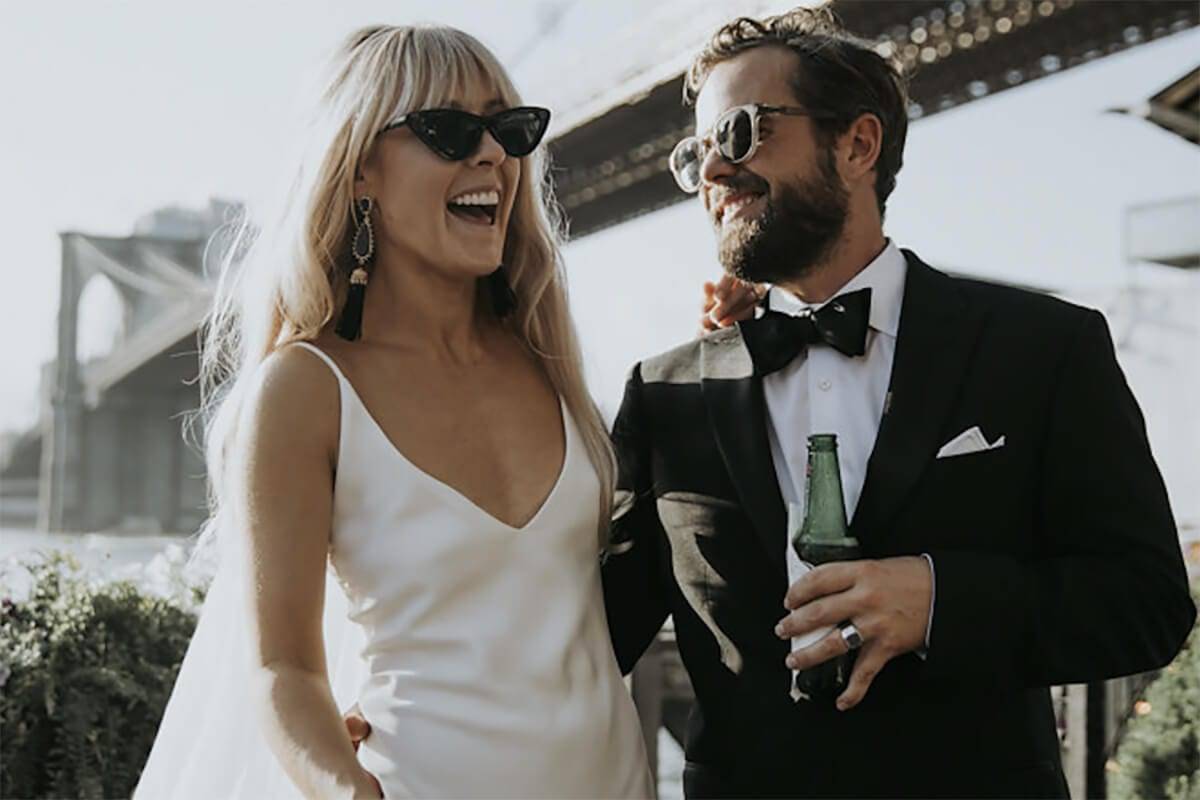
634,592
1107,593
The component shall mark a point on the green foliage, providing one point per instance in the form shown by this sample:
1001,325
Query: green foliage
85,673
1159,755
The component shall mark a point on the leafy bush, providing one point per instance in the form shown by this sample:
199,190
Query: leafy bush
85,673
1159,755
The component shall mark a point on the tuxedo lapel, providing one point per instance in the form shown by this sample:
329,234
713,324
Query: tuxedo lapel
737,414
937,333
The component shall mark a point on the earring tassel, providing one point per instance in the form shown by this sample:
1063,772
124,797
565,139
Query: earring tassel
350,325
504,300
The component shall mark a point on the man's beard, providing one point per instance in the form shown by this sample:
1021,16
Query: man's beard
794,233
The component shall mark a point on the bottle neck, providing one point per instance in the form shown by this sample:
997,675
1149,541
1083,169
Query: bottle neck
825,512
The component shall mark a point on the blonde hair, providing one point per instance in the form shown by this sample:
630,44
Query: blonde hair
286,282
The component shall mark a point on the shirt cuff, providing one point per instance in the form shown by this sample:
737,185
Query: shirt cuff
923,652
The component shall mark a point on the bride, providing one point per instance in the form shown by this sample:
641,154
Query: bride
397,411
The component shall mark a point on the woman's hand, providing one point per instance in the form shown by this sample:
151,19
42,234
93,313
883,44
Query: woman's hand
727,301
357,726
358,729
366,786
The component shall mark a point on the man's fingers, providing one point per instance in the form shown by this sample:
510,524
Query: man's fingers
830,646
823,580
871,659
824,611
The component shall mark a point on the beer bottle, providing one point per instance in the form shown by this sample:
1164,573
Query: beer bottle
823,537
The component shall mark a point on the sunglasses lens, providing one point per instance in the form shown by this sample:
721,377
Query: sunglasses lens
520,130
452,134
734,135
455,134
685,162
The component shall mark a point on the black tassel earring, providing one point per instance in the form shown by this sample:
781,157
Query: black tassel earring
363,249
504,300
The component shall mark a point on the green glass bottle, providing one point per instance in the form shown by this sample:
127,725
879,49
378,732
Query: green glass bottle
824,537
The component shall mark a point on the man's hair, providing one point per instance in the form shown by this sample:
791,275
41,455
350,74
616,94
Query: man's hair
840,76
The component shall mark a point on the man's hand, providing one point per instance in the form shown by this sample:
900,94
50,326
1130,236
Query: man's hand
356,726
727,301
887,600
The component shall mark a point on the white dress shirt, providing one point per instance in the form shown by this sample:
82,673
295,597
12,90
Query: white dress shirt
824,391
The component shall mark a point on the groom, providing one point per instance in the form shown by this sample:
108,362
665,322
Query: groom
1015,527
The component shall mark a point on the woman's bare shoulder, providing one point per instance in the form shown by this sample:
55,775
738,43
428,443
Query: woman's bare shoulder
294,400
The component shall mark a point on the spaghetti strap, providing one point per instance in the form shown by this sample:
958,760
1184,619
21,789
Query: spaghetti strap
329,362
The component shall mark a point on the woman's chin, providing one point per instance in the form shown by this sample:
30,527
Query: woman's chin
468,263
482,264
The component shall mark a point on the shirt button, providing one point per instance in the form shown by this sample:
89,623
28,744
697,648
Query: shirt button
826,385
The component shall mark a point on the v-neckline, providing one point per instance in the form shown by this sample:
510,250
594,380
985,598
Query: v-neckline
454,493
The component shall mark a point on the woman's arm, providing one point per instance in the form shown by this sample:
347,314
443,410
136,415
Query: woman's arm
281,482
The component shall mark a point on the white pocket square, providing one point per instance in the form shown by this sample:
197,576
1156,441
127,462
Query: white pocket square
969,441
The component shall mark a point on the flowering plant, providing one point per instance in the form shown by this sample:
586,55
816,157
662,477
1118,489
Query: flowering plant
1159,755
86,669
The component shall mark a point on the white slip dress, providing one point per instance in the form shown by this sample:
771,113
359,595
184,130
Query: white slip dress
478,652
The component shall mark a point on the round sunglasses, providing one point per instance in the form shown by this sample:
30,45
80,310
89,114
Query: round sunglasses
455,134
735,135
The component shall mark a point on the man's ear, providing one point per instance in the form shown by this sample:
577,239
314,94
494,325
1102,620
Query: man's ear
860,145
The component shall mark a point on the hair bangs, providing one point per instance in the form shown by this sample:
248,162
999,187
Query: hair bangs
440,66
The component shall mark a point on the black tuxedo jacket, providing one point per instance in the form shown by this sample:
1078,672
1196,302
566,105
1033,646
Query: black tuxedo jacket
1056,556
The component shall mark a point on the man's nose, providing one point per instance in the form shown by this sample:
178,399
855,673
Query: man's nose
714,167
714,170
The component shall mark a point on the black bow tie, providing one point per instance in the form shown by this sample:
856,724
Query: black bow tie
775,338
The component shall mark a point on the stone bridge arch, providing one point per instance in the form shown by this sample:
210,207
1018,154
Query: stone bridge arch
111,442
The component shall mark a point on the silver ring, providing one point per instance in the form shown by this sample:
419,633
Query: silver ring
851,636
